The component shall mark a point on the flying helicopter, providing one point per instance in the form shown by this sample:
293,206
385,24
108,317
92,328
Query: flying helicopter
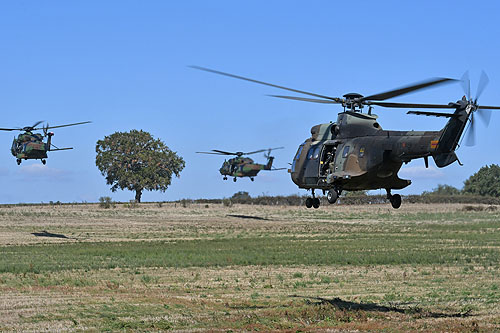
355,153
29,145
240,166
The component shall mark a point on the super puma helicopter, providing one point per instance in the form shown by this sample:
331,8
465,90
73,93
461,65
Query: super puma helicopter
29,145
355,153
240,166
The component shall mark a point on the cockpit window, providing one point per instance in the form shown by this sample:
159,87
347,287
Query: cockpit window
313,152
345,152
297,156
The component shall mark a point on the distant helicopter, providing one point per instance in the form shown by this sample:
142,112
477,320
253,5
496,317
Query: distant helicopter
240,166
29,145
355,153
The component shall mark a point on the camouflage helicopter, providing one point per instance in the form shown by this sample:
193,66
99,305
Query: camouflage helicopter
240,166
29,145
355,153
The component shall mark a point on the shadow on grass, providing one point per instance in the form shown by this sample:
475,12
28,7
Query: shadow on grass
246,217
347,305
45,233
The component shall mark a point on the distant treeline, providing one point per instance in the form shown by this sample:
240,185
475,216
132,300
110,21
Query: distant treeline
298,200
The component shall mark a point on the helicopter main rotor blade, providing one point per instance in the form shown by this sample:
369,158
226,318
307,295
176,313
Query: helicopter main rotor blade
49,127
11,129
485,107
407,89
36,124
255,152
338,100
207,152
313,100
222,152
412,105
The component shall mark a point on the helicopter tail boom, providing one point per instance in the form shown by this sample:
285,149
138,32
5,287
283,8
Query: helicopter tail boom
269,164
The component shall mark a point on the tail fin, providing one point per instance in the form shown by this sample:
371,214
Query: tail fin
450,136
269,164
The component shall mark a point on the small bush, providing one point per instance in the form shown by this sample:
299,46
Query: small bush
185,202
227,202
106,202
132,204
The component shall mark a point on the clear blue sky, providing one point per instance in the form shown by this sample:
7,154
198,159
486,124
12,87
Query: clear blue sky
123,65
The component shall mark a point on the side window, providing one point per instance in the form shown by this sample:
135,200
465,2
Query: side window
345,152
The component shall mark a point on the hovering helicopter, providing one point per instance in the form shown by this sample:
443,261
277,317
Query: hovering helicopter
29,145
355,153
240,166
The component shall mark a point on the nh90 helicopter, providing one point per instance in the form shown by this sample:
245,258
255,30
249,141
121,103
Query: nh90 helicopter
355,153
240,166
30,146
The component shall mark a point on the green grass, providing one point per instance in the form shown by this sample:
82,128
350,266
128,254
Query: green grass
374,248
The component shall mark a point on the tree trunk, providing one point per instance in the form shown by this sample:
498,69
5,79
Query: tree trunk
138,194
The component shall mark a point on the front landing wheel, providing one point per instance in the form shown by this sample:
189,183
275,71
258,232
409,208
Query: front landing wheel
396,201
332,196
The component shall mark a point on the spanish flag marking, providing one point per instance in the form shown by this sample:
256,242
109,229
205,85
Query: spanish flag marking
434,144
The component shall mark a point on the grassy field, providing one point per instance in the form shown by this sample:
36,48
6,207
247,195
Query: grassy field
217,268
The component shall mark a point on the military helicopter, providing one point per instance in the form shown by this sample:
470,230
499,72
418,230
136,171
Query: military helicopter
29,145
355,153
240,166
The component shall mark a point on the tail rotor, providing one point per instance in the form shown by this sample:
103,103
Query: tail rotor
268,154
484,113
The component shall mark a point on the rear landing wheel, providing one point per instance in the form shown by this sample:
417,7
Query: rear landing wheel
316,202
18,161
225,178
44,162
309,202
251,178
234,179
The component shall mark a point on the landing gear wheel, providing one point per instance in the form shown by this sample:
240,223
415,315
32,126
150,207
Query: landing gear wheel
234,179
332,196
18,161
395,201
251,178
316,203
44,162
309,202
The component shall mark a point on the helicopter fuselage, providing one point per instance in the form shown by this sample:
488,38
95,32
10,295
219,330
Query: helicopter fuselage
29,146
242,167
357,154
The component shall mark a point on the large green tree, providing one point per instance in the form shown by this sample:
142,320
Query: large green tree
136,161
484,182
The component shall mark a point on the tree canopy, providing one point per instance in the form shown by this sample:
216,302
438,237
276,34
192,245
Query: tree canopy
443,189
136,161
485,182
